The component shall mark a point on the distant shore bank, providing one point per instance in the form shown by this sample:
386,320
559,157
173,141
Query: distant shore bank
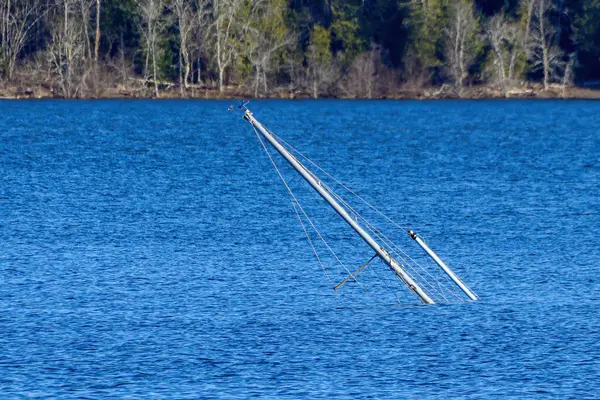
529,91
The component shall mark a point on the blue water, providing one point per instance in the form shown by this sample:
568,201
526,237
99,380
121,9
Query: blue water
149,250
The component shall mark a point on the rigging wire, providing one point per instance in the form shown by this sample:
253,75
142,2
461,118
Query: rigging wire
306,215
356,217
393,246
396,249
379,235
412,264
312,246
392,291
338,182
438,287
455,292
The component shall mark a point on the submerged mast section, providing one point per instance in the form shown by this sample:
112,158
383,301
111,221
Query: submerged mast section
309,177
443,266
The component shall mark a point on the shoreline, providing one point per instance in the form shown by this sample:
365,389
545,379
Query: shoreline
487,92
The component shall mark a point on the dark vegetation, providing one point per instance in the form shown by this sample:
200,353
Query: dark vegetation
290,48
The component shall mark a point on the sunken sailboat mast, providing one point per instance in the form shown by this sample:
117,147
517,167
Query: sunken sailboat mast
310,178
380,251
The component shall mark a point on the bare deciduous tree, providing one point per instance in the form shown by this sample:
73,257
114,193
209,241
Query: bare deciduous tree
152,29
321,75
186,20
461,41
232,20
16,21
85,9
201,34
322,70
567,79
361,79
226,42
503,36
267,36
97,36
543,51
527,6
295,71
66,52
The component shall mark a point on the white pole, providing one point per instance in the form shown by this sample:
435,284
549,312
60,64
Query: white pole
308,176
442,265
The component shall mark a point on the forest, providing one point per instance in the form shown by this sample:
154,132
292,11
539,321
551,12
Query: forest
297,48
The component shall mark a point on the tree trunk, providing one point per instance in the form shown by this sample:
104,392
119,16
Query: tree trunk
464,68
528,22
511,67
456,49
219,60
256,81
545,56
5,47
85,14
546,67
501,67
154,75
181,72
186,75
220,79
97,42
66,55
265,86
147,63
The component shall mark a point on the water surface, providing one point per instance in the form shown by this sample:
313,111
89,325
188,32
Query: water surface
148,249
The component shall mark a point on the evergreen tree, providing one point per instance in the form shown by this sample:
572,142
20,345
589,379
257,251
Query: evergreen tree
587,39
319,60
345,30
426,26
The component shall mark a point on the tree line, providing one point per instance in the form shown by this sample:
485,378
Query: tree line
354,48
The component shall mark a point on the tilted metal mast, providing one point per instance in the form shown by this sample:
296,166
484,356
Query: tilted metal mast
310,178
443,266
